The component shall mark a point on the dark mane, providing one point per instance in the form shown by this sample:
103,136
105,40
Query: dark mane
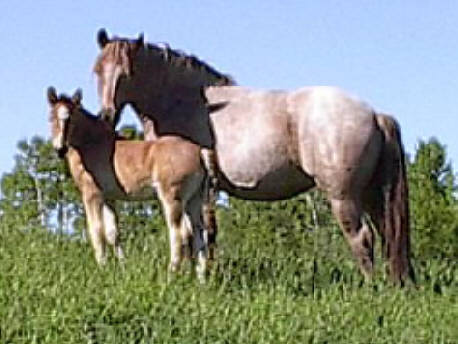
191,62
119,48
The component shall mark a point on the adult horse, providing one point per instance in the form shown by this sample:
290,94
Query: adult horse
106,169
271,145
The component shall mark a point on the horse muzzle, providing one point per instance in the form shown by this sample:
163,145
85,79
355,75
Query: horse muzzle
62,151
108,115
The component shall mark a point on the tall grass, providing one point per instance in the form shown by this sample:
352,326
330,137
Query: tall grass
268,287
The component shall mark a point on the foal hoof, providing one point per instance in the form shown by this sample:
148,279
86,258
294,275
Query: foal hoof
101,261
201,274
174,268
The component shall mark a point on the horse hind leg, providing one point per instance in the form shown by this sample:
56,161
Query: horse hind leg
358,234
373,206
110,224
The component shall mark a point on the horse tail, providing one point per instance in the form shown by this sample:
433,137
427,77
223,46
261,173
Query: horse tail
208,157
395,222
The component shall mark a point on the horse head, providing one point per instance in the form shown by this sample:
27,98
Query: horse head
114,72
150,77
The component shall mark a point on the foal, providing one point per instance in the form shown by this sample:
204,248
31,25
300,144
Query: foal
106,169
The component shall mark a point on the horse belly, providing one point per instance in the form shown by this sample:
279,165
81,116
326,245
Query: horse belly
281,183
259,168
254,148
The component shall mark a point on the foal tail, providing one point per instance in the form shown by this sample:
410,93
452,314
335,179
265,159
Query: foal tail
395,221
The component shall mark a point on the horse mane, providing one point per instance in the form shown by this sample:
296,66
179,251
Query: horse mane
190,62
119,48
117,52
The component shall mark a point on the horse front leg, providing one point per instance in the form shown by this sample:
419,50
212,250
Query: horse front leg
110,224
93,207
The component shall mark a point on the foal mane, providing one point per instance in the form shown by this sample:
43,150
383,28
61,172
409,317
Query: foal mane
119,50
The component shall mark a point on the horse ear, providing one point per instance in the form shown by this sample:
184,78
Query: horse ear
102,38
52,96
140,41
77,96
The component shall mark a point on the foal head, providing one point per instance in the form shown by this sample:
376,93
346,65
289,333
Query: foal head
73,126
62,108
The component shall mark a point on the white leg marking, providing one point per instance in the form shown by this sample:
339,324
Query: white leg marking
111,229
173,211
93,209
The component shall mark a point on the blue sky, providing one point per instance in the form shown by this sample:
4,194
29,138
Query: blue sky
399,56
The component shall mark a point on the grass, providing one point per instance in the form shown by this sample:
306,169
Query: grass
268,287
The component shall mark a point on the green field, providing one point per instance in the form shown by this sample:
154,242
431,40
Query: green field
270,286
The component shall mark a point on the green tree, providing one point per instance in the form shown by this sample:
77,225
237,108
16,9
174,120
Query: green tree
39,190
130,132
291,224
434,207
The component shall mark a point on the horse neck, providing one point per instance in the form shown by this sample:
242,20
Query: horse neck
166,81
167,95
86,131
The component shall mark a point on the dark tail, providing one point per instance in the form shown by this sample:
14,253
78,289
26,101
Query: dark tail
208,158
395,223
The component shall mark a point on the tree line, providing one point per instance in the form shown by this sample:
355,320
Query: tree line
39,193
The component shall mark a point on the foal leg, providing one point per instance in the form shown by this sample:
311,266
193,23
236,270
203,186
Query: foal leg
93,208
186,237
110,223
358,234
173,211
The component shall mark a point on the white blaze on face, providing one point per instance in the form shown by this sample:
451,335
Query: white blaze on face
107,89
62,115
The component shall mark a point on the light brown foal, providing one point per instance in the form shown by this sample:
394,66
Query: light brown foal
106,169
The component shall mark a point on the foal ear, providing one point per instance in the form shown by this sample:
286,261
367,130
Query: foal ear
102,38
77,96
52,96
